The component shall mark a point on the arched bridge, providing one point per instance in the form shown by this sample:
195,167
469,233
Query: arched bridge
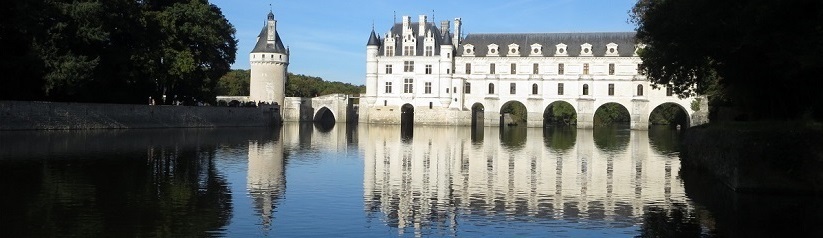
330,108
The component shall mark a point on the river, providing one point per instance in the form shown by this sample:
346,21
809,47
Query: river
375,181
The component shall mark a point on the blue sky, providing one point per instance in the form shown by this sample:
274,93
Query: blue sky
328,38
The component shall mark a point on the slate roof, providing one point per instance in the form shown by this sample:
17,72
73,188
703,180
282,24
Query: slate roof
625,42
373,40
262,45
397,30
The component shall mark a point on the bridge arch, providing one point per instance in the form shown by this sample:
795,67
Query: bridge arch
516,111
681,117
559,112
478,115
324,119
610,112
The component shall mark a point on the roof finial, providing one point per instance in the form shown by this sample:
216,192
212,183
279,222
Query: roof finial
394,19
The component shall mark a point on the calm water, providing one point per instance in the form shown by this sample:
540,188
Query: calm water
374,181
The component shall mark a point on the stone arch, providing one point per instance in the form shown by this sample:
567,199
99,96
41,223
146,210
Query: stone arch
478,115
324,119
406,121
550,116
516,111
611,112
683,122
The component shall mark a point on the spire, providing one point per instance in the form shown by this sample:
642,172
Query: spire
271,15
373,39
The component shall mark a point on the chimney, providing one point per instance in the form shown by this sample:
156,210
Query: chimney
272,28
422,29
406,22
457,26
444,28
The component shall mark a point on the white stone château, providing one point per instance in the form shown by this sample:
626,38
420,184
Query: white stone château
436,77
269,65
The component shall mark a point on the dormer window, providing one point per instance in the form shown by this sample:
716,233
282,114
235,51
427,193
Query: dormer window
586,49
493,50
514,50
537,50
468,50
611,49
561,50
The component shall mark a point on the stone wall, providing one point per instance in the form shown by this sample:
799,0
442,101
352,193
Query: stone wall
18,115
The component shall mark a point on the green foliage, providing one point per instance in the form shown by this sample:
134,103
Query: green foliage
758,56
299,85
695,105
237,82
561,113
611,113
517,111
668,113
116,51
234,83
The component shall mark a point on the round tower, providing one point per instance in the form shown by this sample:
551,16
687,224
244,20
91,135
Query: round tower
372,49
269,66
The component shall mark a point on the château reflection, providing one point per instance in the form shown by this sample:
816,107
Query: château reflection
443,173
266,176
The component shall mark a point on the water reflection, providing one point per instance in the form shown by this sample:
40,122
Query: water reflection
115,183
515,174
266,180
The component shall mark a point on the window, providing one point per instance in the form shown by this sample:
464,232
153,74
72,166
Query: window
585,89
429,50
408,50
447,90
448,71
428,88
560,89
467,88
535,68
408,85
448,55
611,89
560,69
468,68
408,66
512,88
491,68
389,50
491,88
669,91
611,69
586,69
428,69
389,69
388,87
534,89
431,105
640,69
639,90
514,68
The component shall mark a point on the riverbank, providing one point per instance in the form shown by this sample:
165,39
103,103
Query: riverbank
777,158
22,115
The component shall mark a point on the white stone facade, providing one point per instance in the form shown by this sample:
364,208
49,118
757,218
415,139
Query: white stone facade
593,68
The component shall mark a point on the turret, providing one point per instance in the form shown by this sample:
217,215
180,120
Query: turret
269,65
446,67
372,49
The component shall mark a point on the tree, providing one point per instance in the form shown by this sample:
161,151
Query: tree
755,55
234,83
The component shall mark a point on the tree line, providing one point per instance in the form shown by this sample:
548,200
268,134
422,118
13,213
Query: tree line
114,51
236,83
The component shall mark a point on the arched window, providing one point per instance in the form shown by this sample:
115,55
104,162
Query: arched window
491,88
534,89
585,89
639,90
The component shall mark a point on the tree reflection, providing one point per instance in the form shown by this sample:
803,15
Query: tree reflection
664,139
611,138
174,192
677,221
560,138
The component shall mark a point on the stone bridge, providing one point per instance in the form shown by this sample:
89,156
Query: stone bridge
327,108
